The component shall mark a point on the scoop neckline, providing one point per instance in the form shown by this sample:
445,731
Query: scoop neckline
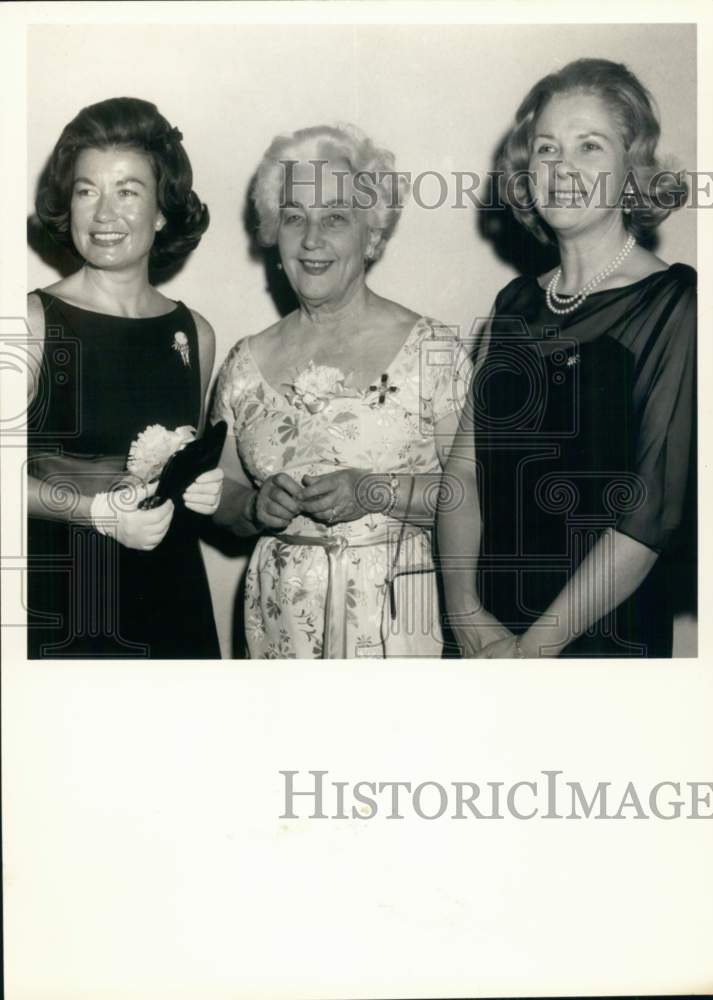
105,315
621,288
362,392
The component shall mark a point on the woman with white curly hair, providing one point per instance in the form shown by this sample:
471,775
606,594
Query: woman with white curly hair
341,418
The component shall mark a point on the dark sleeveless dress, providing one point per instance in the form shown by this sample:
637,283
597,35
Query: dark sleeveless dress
584,423
104,379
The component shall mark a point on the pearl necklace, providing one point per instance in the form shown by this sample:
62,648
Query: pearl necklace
576,301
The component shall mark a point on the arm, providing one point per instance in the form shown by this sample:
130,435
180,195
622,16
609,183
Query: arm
610,573
237,505
206,360
237,508
245,510
203,495
349,494
624,555
459,526
459,531
67,503
70,498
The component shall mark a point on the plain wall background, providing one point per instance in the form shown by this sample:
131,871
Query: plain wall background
441,97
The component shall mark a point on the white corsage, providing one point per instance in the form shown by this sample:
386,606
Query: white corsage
152,449
317,385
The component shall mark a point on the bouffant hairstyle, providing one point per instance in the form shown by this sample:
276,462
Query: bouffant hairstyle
127,123
653,192
384,191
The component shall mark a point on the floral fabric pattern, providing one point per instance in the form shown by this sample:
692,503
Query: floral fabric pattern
318,425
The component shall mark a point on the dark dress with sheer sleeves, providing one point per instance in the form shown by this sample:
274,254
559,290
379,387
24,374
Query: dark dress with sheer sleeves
104,379
583,424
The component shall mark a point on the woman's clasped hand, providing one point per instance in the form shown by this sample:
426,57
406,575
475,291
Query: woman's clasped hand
337,436
330,498
548,466
573,493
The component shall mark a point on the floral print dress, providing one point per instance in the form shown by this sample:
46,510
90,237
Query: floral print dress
319,425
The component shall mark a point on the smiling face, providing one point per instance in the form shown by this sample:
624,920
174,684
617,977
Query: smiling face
114,212
577,145
323,235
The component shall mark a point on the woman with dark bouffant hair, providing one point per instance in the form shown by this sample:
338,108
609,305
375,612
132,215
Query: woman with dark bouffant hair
109,575
582,407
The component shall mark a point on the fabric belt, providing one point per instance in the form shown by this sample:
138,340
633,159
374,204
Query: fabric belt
334,645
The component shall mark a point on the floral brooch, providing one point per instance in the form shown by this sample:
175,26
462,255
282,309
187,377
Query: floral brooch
180,344
316,386
377,395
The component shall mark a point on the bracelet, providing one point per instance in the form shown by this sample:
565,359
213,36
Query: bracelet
394,495
101,513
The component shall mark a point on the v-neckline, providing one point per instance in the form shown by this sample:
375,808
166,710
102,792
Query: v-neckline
361,392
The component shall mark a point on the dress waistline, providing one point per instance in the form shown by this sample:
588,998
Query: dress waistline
334,645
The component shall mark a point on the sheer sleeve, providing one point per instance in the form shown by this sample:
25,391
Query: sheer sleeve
664,399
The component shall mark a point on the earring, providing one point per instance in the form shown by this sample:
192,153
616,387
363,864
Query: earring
160,223
626,204
279,265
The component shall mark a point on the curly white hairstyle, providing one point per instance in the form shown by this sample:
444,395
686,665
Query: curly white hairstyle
386,188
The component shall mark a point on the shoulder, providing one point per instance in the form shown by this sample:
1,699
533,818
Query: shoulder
66,289
434,329
36,316
679,302
673,283
64,286
234,361
263,344
272,331
235,376
392,315
206,334
523,283
36,323
683,275
448,356
663,319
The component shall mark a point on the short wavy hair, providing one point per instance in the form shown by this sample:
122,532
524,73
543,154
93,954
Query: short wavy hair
127,123
387,189
657,192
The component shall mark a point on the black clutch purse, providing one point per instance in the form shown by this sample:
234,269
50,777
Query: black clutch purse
187,464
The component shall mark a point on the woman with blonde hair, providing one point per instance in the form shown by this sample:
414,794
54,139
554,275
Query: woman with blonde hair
581,412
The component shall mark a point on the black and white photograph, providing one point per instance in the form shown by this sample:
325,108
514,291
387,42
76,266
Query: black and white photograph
343,521
366,339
